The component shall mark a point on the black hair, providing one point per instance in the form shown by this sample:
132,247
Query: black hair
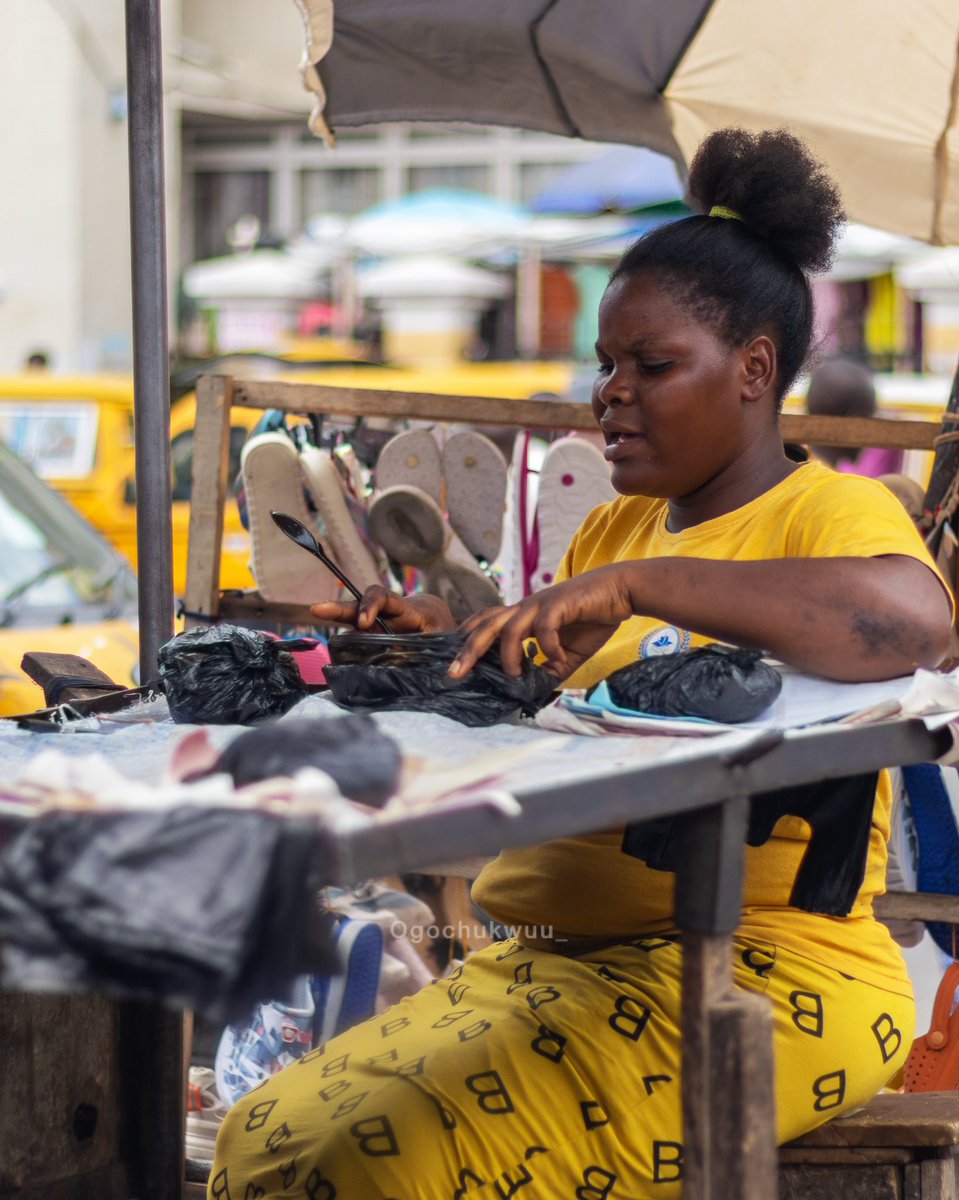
750,274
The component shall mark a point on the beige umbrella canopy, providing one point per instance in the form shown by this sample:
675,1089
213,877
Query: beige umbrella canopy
870,84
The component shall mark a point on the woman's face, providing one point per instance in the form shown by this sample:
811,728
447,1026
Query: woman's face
668,395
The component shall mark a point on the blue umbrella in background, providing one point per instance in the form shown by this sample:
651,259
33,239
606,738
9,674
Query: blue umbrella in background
625,179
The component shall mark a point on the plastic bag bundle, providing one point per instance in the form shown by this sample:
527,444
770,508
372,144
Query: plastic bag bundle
363,762
208,908
719,683
408,671
228,675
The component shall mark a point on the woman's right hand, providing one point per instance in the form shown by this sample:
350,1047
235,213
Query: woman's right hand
405,614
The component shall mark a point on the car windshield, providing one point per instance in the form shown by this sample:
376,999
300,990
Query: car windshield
53,566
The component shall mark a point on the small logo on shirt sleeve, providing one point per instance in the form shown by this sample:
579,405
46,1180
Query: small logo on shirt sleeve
666,639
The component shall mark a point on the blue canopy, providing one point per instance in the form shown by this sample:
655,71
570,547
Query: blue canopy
445,203
621,180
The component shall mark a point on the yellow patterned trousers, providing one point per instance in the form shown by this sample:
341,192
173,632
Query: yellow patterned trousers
531,1074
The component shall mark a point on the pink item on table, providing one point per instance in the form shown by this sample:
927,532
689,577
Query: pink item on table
311,663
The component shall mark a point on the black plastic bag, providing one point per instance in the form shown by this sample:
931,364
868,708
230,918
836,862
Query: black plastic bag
212,908
720,683
408,671
228,675
364,763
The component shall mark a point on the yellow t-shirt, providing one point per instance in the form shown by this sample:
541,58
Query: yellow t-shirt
585,887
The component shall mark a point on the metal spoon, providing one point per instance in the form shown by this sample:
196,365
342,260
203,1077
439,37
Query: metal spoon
297,532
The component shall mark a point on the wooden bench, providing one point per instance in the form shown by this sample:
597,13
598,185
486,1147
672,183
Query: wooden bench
898,1147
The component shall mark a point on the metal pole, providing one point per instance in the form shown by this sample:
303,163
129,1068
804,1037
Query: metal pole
151,366
151,1037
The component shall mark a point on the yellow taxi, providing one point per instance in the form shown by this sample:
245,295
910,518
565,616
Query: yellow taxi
63,588
76,432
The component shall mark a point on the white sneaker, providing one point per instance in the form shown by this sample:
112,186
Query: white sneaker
278,1033
204,1114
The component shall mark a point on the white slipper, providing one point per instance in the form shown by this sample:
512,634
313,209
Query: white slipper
574,479
410,527
334,521
412,459
475,473
283,571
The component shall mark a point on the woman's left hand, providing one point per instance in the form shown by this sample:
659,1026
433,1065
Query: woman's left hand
570,621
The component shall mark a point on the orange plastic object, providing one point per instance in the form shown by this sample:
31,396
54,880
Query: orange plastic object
933,1063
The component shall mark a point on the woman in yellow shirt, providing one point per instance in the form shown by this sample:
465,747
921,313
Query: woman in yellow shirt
550,1066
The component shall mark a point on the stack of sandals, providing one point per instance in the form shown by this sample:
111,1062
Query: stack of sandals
440,510
446,508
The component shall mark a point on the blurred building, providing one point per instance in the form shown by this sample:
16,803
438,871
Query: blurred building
237,147
237,144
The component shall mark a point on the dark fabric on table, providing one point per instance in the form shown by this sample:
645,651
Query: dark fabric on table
208,908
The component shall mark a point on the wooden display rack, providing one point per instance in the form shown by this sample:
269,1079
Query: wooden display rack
217,394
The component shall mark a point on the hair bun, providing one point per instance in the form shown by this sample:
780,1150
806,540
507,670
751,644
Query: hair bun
771,180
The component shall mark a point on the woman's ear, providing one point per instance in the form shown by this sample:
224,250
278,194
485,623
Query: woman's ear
759,367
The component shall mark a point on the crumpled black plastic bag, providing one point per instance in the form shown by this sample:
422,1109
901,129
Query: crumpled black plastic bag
364,763
205,907
720,683
228,675
408,671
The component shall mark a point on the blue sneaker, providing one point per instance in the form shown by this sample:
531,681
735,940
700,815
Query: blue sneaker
279,1033
938,838
344,1000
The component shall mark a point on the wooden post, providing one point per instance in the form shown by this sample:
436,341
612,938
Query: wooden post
152,1099
60,1099
211,461
729,1127
528,301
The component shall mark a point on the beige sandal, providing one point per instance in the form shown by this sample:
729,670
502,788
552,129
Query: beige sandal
475,473
410,527
335,524
411,459
284,573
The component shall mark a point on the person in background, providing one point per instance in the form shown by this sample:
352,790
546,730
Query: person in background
38,360
840,388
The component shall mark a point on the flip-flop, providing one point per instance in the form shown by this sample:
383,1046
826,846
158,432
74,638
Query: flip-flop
411,528
334,521
573,481
519,552
412,458
475,473
272,478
